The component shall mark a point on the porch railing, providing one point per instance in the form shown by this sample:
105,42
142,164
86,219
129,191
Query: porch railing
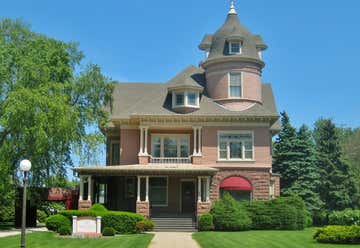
184,160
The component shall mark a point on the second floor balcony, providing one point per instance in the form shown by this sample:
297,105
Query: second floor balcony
174,160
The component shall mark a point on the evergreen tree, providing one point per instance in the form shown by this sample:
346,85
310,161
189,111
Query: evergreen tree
337,188
284,155
308,178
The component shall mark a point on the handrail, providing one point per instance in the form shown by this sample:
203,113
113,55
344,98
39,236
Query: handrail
175,160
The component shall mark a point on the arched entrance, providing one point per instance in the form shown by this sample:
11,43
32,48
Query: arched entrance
238,187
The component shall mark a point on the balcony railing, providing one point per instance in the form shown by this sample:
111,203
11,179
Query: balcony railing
185,160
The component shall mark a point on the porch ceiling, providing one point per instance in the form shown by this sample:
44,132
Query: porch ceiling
151,169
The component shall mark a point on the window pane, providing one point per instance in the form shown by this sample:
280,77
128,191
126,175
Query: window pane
248,145
170,147
235,79
192,98
223,155
156,146
235,91
115,157
235,150
235,47
222,145
179,99
248,154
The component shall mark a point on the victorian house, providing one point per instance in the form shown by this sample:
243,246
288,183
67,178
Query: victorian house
174,148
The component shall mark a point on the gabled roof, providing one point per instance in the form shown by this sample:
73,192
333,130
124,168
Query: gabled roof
191,77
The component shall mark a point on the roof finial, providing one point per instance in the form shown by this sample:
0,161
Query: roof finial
232,8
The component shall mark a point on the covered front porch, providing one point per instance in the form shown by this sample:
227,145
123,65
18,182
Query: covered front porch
151,190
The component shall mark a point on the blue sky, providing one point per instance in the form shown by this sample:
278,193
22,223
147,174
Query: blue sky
312,60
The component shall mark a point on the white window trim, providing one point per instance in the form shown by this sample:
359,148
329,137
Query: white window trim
185,94
241,85
162,136
167,192
112,142
240,47
228,159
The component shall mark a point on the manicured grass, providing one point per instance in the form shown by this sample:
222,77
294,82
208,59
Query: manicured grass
50,240
261,239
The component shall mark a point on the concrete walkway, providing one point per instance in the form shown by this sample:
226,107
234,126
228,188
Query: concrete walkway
13,232
173,240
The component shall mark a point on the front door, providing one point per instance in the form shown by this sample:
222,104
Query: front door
187,197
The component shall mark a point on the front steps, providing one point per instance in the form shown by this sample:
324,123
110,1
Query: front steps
174,224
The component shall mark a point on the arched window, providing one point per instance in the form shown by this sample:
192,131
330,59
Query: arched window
237,187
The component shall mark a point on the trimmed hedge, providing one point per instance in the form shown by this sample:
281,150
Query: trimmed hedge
347,217
98,207
338,235
122,222
108,231
57,222
144,225
206,222
228,215
283,213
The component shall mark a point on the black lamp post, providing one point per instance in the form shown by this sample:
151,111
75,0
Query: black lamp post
25,166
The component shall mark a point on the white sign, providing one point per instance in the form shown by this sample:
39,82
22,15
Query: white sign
86,225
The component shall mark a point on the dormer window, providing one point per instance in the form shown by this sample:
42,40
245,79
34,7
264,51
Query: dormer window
234,47
186,99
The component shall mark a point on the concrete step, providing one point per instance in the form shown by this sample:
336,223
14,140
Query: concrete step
174,224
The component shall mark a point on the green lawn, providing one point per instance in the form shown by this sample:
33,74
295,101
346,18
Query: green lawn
262,239
48,239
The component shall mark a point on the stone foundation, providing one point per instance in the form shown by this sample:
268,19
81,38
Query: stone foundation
143,208
84,205
196,159
259,179
203,208
276,179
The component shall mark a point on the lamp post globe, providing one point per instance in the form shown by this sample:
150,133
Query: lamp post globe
25,165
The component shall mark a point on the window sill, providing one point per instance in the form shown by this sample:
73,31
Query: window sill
236,161
186,106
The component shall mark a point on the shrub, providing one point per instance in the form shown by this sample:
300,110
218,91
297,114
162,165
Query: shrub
347,217
64,230
41,216
206,222
338,235
229,216
321,218
57,221
284,213
308,219
144,225
98,207
108,231
140,227
122,222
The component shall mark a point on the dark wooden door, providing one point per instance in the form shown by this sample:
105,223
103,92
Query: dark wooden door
187,197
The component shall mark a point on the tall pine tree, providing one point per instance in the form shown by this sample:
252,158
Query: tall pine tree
284,155
308,177
337,188
294,158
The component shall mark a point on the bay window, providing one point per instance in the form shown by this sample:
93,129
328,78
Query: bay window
235,145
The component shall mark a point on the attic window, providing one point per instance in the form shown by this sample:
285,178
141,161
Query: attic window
186,99
235,47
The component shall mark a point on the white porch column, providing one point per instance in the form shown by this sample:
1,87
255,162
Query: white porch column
81,188
199,141
141,152
138,189
194,153
208,189
199,189
146,140
147,189
89,188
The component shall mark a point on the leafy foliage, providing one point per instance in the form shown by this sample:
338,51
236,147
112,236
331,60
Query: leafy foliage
45,106
206,222
346,217
98,207
57,221
144,225
229,216
338,235
41,216
337,188
284,213
108,231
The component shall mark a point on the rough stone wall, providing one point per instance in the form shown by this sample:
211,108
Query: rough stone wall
259,179
84,205
143,208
